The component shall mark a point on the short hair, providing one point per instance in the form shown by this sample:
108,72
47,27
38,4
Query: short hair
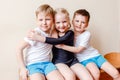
82,12
47,9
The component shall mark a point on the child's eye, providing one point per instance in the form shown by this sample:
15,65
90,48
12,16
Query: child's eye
64,21
48,19
40,19
83,22
57,22
76,20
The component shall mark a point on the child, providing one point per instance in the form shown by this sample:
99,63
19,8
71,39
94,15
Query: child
38,65
62,58
86,54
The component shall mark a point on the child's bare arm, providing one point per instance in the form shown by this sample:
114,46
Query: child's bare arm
71,48
20,58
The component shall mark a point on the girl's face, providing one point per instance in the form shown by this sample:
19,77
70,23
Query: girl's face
45,22
61,22
80,23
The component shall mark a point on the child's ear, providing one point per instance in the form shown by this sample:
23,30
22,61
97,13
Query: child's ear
87,25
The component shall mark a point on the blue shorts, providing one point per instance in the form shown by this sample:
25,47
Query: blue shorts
98,60
41,67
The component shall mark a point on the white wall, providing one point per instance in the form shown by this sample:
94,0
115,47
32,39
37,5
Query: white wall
17,16
119,22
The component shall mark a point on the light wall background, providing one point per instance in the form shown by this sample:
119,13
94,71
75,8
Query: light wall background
119,21
17,17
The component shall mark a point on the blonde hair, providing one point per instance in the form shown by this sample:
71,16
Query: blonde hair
47,9
63,11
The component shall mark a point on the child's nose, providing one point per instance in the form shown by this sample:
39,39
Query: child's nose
61,24
44,21
79,23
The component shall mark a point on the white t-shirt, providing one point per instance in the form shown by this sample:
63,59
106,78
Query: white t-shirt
84,40
38,51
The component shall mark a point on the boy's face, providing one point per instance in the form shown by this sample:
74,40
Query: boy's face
61,22
45,22
80,23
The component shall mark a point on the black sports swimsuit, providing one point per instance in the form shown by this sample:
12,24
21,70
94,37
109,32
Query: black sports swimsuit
60,55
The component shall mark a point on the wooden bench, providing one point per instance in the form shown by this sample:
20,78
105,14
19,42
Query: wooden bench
114,59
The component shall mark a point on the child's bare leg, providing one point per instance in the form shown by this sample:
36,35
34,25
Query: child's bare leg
54,75
111,70
93,69
66,71
81,72
37,76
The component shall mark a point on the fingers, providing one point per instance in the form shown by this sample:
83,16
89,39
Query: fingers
24,75
59,45
24,78
30,33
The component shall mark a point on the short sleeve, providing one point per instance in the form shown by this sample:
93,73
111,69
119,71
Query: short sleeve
84,39
31,42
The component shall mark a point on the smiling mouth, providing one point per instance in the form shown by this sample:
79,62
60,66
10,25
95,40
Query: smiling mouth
44,26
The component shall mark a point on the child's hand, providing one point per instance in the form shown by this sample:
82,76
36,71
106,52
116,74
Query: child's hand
59,45
24,74
33,35
30,33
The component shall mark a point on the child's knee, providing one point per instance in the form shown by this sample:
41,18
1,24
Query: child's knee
96,75
116,75
72,77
